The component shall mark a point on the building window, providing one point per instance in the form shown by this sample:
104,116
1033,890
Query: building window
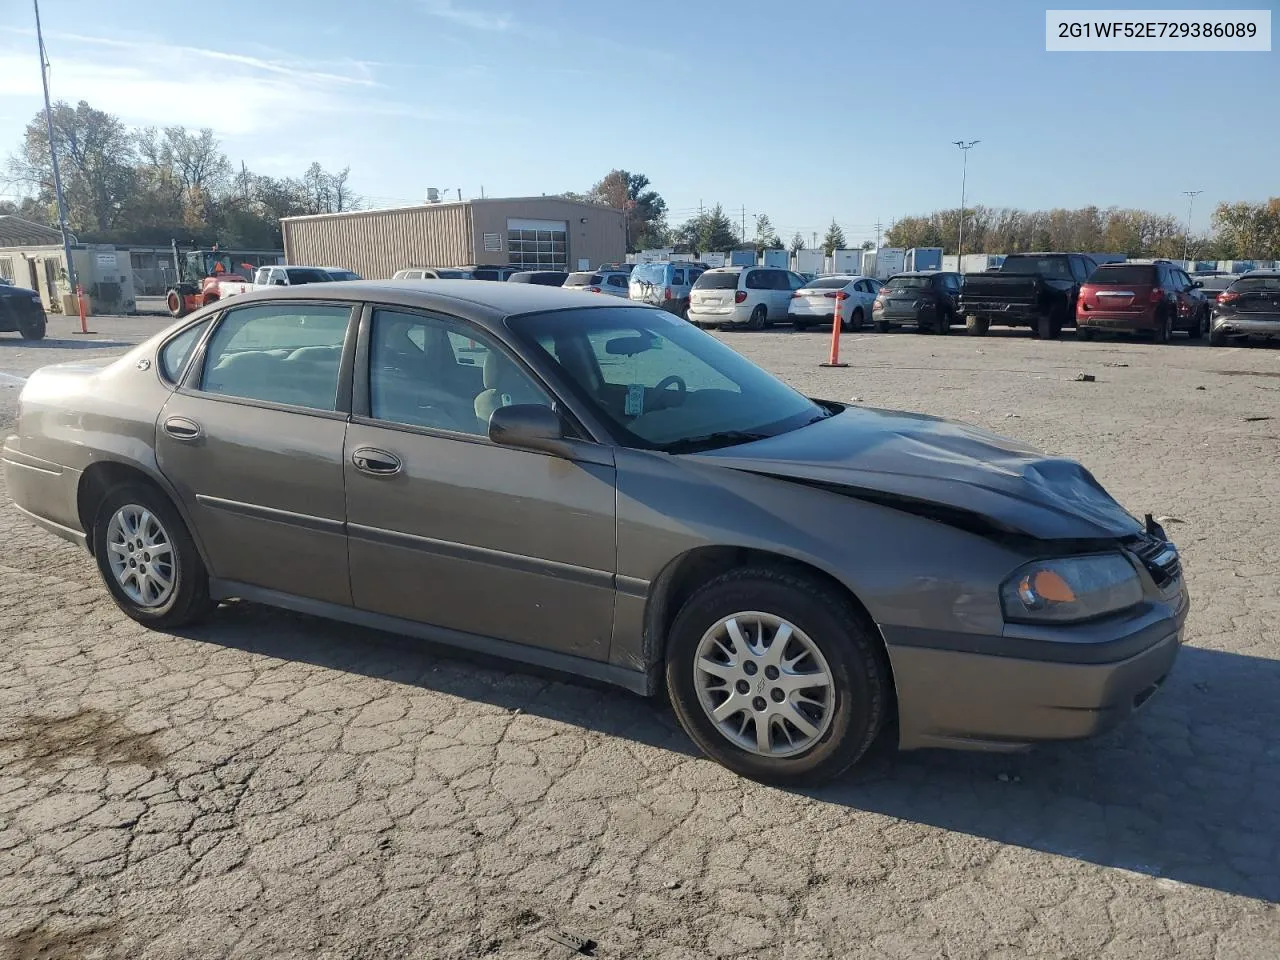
538,244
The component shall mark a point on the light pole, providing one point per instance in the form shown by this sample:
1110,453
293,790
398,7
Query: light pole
965,147
53,156
1191,200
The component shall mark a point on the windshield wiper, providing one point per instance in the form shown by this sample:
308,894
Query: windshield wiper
722,438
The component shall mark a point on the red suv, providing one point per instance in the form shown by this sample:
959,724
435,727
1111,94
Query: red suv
1154,298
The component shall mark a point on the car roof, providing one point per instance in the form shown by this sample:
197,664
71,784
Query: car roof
481,301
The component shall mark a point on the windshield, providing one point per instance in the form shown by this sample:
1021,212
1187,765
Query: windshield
718,281
908,283
583,280
307,276
1054,268
1125,273
661,383
453,275
342,275
828,283
655,273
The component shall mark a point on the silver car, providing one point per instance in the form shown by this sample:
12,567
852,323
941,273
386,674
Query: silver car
599,487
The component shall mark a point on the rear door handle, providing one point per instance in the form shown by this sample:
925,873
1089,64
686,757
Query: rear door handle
377,462
180,428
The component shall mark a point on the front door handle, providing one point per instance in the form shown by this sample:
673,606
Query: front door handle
377,462
180,428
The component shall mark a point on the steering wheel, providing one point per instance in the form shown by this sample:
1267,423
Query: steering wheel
672,381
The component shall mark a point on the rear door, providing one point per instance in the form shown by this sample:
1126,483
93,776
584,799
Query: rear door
448,528
253,443
779,294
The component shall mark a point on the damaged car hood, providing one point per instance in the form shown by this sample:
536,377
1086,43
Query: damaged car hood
913,461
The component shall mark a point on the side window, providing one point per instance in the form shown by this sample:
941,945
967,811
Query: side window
442,374
174,354
1184,280
1162,276
261,275
758,280
677,278
1077,268
617,280
280,353
794,281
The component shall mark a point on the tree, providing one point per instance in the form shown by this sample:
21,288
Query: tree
1249,230
868,244
97,158
645,210
766,236
709,231
797,243
834,240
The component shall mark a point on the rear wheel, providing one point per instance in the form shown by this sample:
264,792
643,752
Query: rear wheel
759,316
976,326
856,320
943,324
1164,327
1049,325
774,675
1198,328
176,303
1217,338
33,329
882,326
1083,333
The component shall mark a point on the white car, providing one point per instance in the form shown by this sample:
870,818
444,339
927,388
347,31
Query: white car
818,300
753,297
289,276
612,282
432,273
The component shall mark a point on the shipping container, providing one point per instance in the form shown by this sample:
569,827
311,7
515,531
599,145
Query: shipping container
742,258
951,263
890,260
924,258
776,258
807,261
846,261
980,262
868,268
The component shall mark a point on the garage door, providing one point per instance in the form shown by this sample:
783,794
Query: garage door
538,244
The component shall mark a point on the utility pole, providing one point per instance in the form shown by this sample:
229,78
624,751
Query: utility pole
244,180
965,147
878,227
744,223
1186,242
815,239
53,155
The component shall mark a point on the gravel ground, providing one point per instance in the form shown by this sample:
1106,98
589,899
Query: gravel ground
270,785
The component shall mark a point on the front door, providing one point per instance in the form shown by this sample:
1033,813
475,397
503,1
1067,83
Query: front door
253,443
450,529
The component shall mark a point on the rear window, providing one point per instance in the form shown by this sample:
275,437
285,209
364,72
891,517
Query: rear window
1055,268
717,281
453,275
1257,285
1124,273
583,280
655,273
908,283
827,283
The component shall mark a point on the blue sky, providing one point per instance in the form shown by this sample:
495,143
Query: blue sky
806,111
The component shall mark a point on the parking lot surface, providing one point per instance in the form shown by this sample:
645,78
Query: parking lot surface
271,785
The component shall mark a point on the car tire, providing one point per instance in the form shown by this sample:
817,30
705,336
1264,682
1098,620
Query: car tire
1083,333
800,325
1217,338
976,326
759,318
147,594
1049,325
176,303
943,325
842,723
33,329
856,319
1196,332
882,326
1164,328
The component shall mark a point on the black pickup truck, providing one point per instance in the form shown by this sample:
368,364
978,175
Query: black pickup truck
1036,290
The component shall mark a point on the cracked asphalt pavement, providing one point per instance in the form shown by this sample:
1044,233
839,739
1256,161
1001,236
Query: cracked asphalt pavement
271,785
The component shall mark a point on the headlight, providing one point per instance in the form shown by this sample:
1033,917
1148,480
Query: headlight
1070,589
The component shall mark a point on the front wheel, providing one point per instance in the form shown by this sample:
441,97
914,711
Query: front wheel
1163,332
1049,325
1198,329
148,560
1217,338
942,326
976,326
856,320
774,676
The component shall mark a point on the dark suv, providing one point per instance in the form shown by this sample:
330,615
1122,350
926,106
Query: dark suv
1149,298
1250,307
22,311
927,300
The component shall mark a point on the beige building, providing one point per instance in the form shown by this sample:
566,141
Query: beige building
533,233
31,255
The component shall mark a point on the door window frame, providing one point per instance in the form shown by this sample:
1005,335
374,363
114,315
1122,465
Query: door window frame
193,377
361,399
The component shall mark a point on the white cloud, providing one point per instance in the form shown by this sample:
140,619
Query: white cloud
468,16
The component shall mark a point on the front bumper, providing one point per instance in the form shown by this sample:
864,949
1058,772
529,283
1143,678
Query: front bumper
1005,693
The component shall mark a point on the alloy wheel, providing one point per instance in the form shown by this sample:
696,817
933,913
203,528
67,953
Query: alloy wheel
141,555
764,684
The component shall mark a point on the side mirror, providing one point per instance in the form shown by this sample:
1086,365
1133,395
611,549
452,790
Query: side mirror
1198,284
529,426
278,282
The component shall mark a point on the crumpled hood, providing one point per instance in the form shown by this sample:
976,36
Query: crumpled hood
905,455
